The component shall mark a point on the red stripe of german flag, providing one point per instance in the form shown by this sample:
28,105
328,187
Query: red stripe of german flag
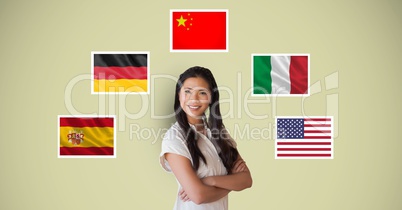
115,72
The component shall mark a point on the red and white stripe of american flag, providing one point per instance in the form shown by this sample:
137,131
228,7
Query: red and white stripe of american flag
317,143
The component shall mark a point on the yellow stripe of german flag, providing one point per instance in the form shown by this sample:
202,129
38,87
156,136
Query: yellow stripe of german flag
121,85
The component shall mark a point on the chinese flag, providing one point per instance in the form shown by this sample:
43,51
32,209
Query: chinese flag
199,30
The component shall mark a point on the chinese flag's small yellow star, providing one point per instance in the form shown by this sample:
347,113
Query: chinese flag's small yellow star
181,21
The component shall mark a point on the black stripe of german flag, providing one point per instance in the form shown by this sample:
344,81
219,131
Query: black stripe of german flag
120,66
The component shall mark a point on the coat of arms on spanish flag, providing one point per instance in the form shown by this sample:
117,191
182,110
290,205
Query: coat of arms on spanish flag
86,136
120,72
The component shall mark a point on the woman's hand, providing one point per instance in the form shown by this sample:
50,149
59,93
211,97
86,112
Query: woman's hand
224,182
193,188
183,195
239,166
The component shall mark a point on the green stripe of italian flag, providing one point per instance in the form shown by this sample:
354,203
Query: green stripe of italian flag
280,74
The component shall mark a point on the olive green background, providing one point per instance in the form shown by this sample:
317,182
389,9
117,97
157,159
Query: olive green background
44,45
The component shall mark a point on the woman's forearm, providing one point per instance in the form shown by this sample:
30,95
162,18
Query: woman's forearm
239,179
196,191
210,194
237,182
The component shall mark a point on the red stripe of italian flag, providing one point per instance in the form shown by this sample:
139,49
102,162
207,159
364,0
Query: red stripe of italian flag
280,74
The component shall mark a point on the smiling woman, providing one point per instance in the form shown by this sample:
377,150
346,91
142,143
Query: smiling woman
201,154
194,98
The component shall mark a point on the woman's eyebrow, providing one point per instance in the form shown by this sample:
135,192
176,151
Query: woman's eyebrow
201,89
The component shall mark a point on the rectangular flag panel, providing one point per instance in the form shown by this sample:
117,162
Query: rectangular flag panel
86,136
199,30
120,72
304,138
280,74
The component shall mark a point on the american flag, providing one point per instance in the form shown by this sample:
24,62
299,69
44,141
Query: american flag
304,138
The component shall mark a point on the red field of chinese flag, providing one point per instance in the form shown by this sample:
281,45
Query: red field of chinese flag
199,30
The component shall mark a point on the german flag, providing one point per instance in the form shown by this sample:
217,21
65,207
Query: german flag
120,72
86,136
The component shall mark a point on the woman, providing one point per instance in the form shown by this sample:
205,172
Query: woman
202,155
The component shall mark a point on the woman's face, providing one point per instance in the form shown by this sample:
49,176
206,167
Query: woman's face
195,98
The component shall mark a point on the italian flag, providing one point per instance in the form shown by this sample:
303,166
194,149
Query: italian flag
280,74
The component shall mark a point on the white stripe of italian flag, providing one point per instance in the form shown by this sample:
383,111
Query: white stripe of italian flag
280,74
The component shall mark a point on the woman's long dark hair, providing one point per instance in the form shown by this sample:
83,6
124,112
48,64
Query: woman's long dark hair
228,153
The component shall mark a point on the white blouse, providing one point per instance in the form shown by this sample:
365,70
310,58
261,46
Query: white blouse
174,142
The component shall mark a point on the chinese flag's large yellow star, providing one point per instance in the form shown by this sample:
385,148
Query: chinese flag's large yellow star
181,21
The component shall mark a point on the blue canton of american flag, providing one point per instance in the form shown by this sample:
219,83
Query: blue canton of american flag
290,128
304,138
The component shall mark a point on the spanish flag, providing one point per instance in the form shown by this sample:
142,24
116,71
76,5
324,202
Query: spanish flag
120,72
86,136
